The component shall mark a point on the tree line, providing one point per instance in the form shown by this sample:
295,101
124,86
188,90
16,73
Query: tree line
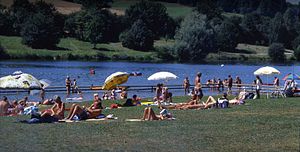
204,31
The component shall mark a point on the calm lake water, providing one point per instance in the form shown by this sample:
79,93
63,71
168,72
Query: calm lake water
56,72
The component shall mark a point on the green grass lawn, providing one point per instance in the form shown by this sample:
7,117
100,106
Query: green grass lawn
260,125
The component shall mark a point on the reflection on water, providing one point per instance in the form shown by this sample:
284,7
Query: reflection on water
56,72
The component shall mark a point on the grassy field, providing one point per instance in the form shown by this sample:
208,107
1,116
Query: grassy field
260,125
70,48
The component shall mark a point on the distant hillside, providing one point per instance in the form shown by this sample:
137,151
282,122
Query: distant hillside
63,7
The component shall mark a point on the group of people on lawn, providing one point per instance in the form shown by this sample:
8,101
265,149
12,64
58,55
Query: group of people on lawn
162,94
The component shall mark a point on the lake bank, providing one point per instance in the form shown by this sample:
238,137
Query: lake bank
72,49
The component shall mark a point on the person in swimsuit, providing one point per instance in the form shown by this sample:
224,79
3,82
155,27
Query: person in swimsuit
150,115
57,111
158,93
86,113
186,85
68,85
4,104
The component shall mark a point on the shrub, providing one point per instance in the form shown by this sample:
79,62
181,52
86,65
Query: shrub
165,53
138,37
276,52
297,53
2,53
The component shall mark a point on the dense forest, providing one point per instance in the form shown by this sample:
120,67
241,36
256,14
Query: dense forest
272,23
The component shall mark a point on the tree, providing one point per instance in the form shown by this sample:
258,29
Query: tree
227,36
255,29
153,14
195,38
75,24
291,22
276,52
209,8
100,27
20,11
271,7
170,27
278,31
95,4
42,29
5,22
95,26
138,37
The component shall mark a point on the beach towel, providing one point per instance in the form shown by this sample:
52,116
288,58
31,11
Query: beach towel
30,110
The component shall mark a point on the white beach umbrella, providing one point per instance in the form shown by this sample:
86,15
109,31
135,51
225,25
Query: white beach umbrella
162,76
266,71
20,80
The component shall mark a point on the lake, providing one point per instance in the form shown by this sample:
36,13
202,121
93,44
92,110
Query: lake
57,71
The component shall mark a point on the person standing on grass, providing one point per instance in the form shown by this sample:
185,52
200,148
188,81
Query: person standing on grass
230,81
258,83
68,85
186,85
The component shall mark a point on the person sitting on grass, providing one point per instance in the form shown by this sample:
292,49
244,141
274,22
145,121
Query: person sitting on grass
134,101
223,102
123,94
167,96
150,115
158,93
57,110
4,104
48,116
16,108
86,113
240,99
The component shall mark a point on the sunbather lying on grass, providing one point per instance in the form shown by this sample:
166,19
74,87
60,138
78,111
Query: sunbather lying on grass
194,105
240,99
150,115
86,113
